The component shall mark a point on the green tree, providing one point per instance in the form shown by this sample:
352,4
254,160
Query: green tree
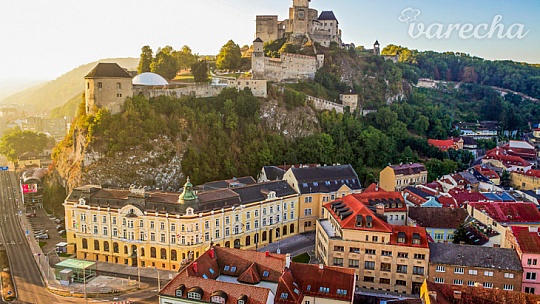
185,58
146,60
17,143
421,125
200,71
229,57
461,235
165,64
288,48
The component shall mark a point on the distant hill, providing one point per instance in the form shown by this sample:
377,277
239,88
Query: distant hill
9,87
57,92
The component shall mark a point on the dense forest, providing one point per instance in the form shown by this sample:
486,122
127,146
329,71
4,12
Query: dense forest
516,76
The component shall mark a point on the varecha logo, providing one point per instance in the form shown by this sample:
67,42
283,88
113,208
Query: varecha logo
495,29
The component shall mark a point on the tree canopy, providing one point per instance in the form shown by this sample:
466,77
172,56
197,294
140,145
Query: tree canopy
165,64
146,59
200,71
14,144
229,57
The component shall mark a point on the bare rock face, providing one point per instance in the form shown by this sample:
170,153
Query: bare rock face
298,122
159,167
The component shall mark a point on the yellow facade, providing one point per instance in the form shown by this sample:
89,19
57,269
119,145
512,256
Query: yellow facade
389,181
524,182
134,237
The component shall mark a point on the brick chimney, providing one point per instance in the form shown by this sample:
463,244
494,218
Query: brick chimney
195,267
212,253
379,209
267,253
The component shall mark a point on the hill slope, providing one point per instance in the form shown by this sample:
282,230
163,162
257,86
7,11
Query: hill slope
59,91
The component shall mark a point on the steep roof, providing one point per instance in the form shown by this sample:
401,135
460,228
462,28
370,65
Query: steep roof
259,192
435,217
326,179
474,256
509,212
229,183
347,220
108,70
258,40
327,15
529,241
273,172
408,169
474,295
409,233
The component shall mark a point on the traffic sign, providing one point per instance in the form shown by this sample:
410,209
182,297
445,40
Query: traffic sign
27,232
9,293
4,168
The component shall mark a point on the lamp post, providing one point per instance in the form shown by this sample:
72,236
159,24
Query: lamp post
158,280
138,264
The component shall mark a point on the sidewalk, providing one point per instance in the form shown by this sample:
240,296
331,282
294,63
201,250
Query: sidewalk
130,272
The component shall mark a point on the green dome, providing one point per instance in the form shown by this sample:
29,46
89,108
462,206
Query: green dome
188,194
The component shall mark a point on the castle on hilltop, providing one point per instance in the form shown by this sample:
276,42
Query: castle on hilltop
303,20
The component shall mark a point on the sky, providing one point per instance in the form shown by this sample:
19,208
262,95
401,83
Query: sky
41,40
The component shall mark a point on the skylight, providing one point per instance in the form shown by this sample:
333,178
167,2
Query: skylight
226,268
297,291
308,287
204,276
233,269
284,295
265,274
211,270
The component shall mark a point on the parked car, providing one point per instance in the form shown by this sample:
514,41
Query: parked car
42,236
31,215
58,221
60,227
61,232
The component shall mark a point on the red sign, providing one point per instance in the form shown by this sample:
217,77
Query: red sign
31,188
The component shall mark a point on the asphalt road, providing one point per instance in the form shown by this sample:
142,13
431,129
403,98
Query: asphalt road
294,245
29,285
28,282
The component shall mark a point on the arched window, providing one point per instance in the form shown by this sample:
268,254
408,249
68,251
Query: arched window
115,247
142,251
248,240
84,243
277,232
264,236
197,254
163,253
291,229
227,244
173,255
106,246
125,249
285,230
183,255
153,252
96,245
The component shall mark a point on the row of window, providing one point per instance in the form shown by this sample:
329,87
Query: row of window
487,273
384,281
417,270
473,283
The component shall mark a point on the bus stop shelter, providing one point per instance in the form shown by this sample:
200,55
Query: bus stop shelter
80,268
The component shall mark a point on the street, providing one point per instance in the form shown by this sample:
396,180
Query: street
294,245
28,282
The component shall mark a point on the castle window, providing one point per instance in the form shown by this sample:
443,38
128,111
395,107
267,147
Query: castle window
119,85
118,95
100,85
88,85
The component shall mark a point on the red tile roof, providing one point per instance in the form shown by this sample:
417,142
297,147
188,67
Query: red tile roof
488,173
357,208
410,232
503,156
464,196
534,173
449,202
529,242
509,212
408,169
443,145
297,280
474,295
372,197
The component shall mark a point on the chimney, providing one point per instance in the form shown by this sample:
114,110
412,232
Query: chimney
321,266
379,209
457,295
288,260
433,294
195,267
212,253
533,229
267,253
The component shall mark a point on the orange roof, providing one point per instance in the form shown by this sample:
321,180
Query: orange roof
410,234
357,208
529,242
443,145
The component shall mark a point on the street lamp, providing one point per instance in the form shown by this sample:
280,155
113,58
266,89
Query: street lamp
138,268
159,283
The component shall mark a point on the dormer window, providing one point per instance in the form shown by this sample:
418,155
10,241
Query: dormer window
401,238
416,239
359,220
242,299
189,211
219,297
369,221
180,290
195,293
271,195
284,295
82,201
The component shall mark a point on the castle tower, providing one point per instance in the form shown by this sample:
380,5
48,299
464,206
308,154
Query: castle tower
107,86
376,48
299,17
257,59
